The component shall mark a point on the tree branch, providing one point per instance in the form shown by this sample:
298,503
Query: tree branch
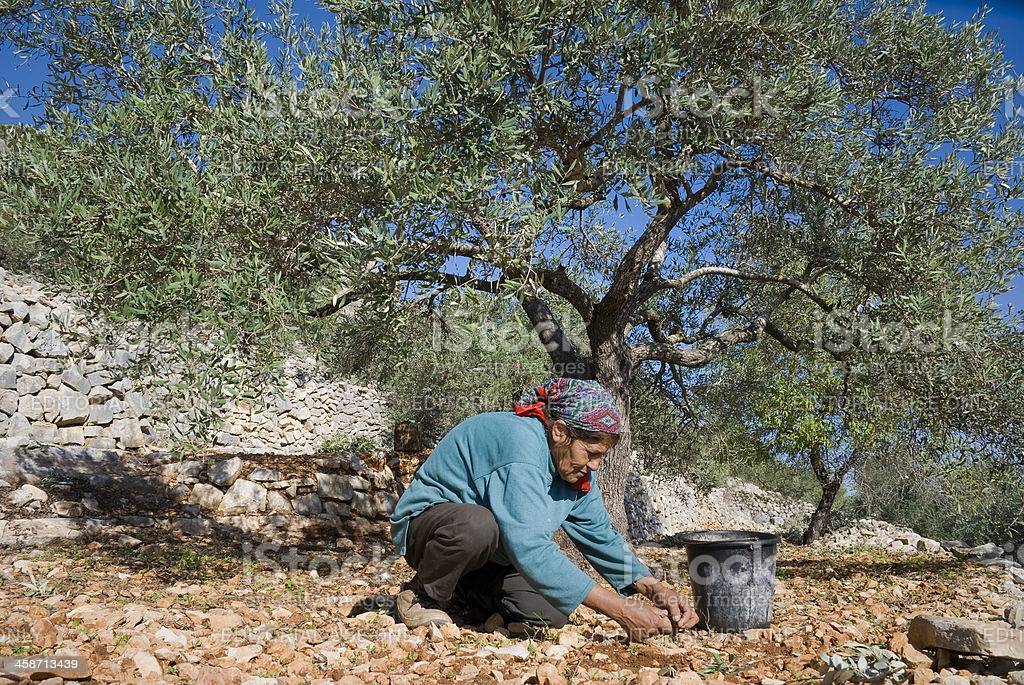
627,277
658,285
703,352
558,282
565,359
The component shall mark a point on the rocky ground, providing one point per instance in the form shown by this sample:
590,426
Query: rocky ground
165,612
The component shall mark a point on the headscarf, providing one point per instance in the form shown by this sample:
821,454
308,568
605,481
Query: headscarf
584,405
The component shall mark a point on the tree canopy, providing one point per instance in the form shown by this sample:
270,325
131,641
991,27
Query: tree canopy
688,176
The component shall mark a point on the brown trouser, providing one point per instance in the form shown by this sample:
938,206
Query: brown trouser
450,547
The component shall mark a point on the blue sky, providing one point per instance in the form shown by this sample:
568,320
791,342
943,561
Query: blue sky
1006,18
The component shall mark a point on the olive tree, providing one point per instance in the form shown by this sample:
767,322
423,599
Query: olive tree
684,175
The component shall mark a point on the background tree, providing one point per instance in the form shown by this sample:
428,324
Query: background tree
686,176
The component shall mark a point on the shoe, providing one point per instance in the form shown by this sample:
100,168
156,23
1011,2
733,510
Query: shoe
417,610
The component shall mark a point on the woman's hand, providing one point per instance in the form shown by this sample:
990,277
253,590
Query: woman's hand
641,620
673,603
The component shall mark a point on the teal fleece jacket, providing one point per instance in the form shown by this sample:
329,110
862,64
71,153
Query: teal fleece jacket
502,461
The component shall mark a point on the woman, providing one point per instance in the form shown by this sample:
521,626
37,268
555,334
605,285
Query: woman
478,518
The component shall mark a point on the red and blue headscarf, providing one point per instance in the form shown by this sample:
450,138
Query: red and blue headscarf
583,405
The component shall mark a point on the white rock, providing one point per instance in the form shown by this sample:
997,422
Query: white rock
244,497
8,377
74,407
206,496
172,637
75,380
147,664
226,471
245,654
28,493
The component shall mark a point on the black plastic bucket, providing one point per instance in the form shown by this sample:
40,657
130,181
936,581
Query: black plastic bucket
732,576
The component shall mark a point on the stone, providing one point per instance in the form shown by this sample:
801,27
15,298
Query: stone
557,651
100,414
76,381
147,664
28,493
687,678
8,402
29,385
73,435
44,432
225,472
8,377
568,638
206,496
19,427
41,531
31,407
245,654
243,497
333,486
985,638
43,633
193,526
67,509
986,551
277,503
1013,677
129,433
190,471
953,679
494,622
517,651
991,680
224,619
922,675
225,439
6,352
647,676
100,395
171,637
336,510
914,657
308,505
17,335
137,404
262,475
547,674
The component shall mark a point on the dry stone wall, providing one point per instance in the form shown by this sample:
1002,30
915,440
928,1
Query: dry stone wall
659,508
52,493
58,387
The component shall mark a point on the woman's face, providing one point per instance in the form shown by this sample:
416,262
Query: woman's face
574,457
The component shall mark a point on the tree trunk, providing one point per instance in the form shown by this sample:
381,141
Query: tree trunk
612,368
821,514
